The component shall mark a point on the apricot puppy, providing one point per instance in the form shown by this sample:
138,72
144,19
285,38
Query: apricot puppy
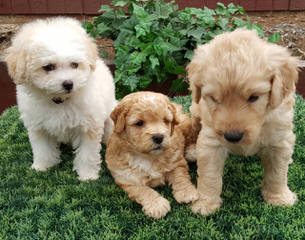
146,150
243,96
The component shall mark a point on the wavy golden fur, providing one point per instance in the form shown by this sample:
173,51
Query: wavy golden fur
243,96
146,149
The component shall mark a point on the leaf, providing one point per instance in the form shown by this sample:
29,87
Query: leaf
237,22
105,8
154,61
274,38
119,3
102,28
221,9
104,54
223,22
189,55
145,81
196,33
178,85
131,82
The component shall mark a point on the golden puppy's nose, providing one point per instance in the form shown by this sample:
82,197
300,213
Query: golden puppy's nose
233,136
158,138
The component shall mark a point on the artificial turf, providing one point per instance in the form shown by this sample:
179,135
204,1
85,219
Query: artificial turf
55,205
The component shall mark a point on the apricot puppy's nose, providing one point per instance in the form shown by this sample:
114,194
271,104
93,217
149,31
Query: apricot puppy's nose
233,136
67,85
158,139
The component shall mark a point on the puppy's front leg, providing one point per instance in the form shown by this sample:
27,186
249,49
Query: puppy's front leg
210,163
45,151
275,161
183,189
154,205
87,162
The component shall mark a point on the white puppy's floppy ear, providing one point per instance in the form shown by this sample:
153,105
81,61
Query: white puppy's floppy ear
16,64
92,53
193,70
118,116
285,75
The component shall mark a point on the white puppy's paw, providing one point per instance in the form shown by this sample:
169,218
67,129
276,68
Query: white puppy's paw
157,208
187,195
43,165
284,198
206,207
88,176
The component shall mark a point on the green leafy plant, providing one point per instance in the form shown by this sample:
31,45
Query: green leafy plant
154,41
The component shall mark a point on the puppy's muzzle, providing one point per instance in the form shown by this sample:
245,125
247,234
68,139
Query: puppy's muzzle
67,85
158,138
233,136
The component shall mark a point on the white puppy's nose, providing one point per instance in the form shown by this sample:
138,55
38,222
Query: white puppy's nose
67,85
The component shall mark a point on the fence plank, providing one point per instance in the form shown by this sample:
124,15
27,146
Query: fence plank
92,6
190,3
75,6
280,5
5,7
248,5
297,5
20,7
263,5
38,6
56,6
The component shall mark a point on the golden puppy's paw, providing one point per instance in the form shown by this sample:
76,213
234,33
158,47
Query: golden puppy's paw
285,198
157,208
187,195
206,207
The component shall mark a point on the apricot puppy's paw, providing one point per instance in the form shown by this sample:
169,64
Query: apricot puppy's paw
205,207
157,208
187,195
284,198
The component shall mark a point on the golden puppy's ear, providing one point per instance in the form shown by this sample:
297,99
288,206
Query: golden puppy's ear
16,64
118,116
285,76
193,71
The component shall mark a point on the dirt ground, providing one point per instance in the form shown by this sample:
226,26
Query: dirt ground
290,25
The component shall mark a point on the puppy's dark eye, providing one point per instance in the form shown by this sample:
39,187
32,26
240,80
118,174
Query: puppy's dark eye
252,98
213,99
139,123
49,67
166,121
74,65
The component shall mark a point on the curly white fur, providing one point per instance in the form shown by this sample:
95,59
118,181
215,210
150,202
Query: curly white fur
83,116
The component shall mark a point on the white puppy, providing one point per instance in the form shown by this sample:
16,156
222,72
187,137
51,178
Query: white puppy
64,92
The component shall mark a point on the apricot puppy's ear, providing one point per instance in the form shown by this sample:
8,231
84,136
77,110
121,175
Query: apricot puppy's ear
285,76
16,64
177,113
118,116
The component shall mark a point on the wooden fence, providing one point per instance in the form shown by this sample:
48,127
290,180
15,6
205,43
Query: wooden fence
92,6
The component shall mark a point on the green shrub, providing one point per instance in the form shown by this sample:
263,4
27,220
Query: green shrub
153,40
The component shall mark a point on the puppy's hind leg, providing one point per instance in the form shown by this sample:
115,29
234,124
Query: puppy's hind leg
45,150
154,205
87,162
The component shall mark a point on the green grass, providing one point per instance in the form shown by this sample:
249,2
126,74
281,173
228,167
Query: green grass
55,205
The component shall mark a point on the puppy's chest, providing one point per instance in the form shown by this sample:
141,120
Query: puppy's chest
64,122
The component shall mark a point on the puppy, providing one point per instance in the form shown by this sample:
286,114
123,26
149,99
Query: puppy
146,150
243,96
65,93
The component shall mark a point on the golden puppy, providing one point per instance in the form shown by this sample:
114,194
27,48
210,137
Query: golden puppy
243,95
146,150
